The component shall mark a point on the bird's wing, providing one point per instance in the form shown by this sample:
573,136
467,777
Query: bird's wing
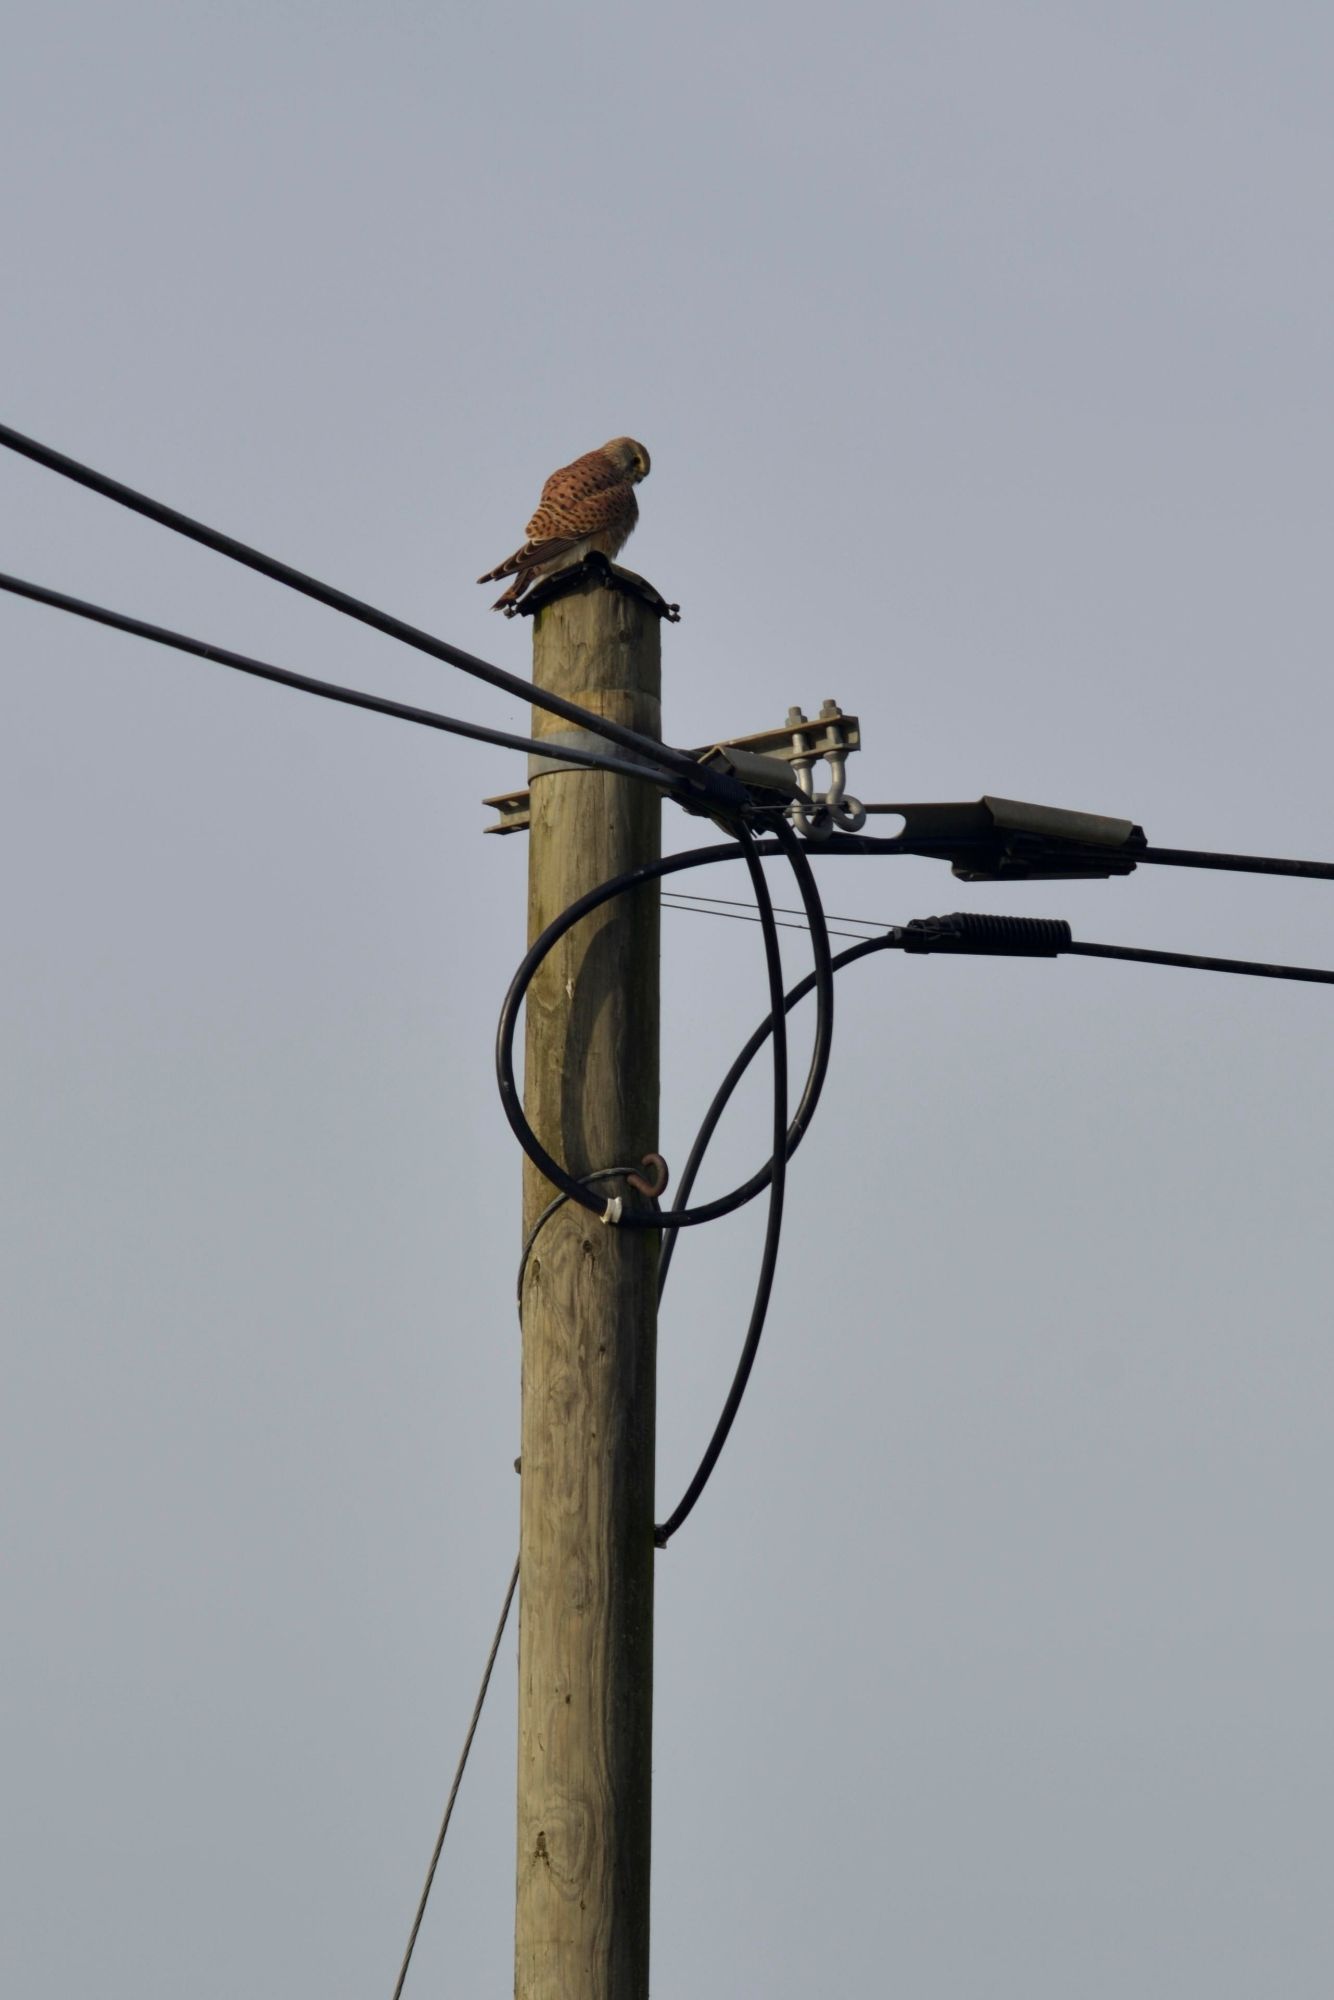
583,475
570,514
533,552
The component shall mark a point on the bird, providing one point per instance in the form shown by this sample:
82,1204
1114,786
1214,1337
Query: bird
586,505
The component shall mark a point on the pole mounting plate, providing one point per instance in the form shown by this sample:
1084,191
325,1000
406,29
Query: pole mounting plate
595,569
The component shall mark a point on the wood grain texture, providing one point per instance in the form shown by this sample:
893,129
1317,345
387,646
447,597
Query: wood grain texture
589,1345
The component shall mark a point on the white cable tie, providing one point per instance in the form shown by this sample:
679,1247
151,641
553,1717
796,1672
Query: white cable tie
612,1212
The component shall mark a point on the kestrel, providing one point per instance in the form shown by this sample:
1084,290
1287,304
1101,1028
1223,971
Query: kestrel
588,505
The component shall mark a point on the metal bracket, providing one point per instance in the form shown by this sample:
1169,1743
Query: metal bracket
830,739
777,766
513,810
596,569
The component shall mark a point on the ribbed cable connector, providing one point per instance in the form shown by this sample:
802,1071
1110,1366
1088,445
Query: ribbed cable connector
1006,937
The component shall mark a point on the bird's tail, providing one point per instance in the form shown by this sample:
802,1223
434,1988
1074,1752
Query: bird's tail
507,568
513,594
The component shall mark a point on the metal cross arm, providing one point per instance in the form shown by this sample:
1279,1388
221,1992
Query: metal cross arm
774,766
782,762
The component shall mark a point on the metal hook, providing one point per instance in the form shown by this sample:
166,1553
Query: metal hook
837,760
849,814
815,824
659,1185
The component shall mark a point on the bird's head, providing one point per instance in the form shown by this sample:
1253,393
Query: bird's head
631,458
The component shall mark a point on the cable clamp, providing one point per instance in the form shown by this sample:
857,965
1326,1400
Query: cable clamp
830,739
981,932
612,1212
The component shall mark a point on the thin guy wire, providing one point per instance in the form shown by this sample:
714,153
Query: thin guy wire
863,948
458,1779
222,656
1076,948
670,903
784,909
662,754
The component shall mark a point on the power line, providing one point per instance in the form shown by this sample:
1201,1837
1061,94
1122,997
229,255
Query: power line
1193,962
952,833
722,790
1244,864
703,783
676,771
718,789
242,663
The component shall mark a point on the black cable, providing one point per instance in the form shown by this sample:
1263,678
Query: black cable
938,846
959,935
476,732
1244,864
785,1137
327,690
458,1780
723,1095
1013,936
774,1222
894,940
1256,967
664,1533
975,935
698,857
705,785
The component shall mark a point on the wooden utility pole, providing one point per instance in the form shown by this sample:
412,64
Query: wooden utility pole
589,1337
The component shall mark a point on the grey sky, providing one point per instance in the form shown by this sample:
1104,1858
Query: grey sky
983,353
